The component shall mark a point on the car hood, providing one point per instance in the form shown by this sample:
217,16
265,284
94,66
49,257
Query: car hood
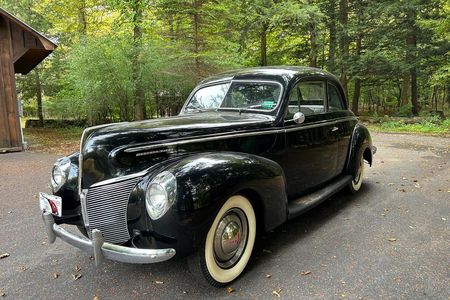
104,148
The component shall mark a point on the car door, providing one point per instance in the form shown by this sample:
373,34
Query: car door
344,121
311,147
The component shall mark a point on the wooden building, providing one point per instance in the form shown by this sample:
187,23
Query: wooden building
21,49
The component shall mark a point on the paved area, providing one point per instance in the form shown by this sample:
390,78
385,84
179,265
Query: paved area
390,241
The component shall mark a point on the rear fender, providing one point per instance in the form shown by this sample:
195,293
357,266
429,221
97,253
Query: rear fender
360,144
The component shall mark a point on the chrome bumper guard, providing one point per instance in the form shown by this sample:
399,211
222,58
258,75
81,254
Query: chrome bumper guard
100,249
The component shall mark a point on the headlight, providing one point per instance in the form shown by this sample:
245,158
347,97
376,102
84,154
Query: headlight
161,194
60,173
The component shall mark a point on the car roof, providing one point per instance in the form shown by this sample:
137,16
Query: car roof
281,74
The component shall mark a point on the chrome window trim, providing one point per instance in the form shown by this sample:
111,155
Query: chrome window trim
235,108
237,135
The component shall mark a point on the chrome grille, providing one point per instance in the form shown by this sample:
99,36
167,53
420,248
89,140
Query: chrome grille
106,207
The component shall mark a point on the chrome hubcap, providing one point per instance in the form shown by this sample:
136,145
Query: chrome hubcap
230,238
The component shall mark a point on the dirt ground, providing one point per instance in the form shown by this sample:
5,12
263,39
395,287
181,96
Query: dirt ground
389,241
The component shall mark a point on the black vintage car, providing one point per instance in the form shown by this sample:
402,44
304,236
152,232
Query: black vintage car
250,150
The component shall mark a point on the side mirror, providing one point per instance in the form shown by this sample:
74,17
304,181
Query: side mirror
299,117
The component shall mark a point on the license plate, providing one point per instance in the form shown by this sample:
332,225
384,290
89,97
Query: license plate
50,203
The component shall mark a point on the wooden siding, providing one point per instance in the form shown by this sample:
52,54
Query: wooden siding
10,134
21,49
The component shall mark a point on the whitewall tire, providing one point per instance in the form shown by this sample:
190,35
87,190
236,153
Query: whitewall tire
357,180
229,243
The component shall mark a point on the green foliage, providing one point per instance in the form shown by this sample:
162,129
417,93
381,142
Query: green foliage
110,49
431,125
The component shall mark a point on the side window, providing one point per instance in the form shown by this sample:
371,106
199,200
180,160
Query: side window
334,99
307,97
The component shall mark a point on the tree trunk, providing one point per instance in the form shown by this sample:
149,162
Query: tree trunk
446,96
343,43
356,95
139,96
412,57
37,81
414,100
196,25
171,28
404,98
82,20
332,32
357,91
313,45
264,45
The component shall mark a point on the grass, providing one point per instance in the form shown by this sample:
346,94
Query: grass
61,141
427,127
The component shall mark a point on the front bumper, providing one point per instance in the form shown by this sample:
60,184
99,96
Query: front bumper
100,249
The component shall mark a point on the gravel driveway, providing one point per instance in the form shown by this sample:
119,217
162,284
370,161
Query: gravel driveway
391,240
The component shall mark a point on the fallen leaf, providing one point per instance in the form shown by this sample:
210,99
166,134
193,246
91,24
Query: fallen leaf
268,275
384,215
392,239
55,275
96,298
77,268
402,190
230,290
23,268
443,219
382,161
404,178
10,212
386,209
343,295
415,180
391,183
159,282
76,276
277,292
2,293
305,273
411,227
4,255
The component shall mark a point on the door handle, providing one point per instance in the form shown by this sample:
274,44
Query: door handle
334,129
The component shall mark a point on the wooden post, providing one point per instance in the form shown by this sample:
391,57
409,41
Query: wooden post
10,134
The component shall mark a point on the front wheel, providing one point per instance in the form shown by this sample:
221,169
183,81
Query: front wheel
228,245
357,180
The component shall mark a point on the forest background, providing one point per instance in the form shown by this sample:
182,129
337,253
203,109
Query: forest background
123,60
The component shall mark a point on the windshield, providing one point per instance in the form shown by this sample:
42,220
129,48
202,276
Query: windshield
236,95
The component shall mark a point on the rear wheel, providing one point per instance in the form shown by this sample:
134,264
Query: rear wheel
357,180
228,245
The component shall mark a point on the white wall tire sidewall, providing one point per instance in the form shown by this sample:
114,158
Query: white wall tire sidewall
356,186
228,275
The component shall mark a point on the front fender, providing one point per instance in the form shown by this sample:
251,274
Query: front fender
360,144
206,181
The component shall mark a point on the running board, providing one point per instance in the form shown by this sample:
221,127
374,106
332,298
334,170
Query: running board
298,206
